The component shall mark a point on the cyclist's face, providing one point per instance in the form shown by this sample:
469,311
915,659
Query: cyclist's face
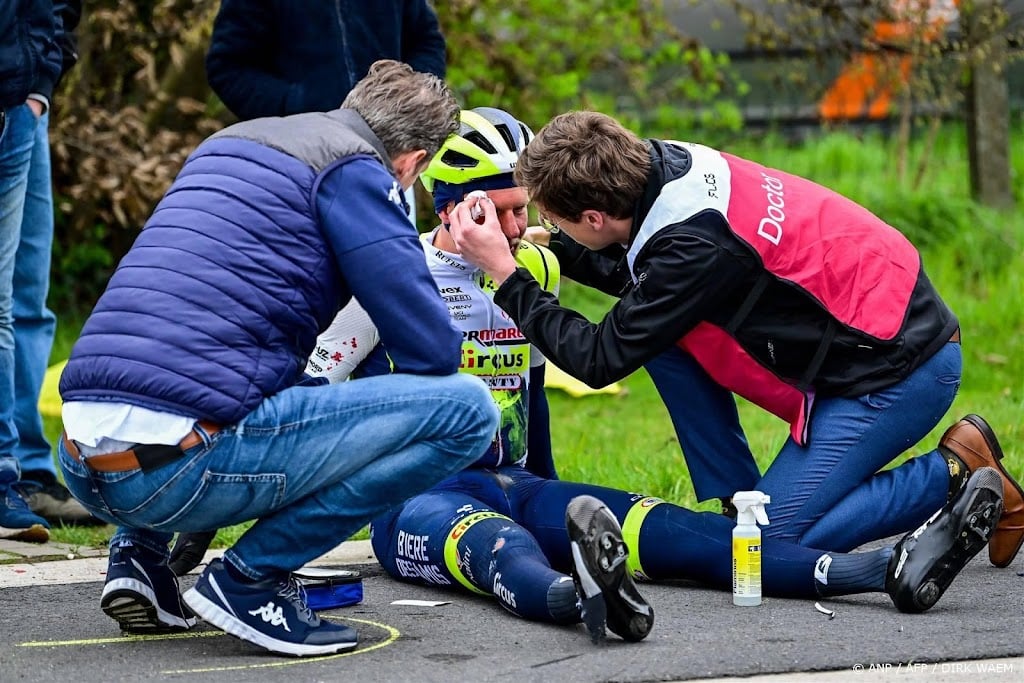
510,205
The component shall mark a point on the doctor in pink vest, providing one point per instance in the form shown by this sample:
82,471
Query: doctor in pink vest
735,279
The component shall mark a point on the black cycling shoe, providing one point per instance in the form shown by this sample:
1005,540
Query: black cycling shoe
607,592
926,561
188,550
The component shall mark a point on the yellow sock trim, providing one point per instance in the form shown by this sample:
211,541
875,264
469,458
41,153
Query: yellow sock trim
631,534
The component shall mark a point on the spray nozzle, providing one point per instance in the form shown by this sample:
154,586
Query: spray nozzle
750,507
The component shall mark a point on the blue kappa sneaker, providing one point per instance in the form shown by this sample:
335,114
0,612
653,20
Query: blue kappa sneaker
143,596
17,521
271,614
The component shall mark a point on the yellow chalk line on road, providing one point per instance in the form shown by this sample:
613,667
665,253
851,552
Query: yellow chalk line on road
393,635
121,639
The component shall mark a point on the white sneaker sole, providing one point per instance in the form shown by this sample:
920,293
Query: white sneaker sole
133,605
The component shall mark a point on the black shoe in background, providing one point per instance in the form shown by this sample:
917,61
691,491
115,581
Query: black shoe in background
188,550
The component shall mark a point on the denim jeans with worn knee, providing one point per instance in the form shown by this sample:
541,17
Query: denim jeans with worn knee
312,465
26,325
829,494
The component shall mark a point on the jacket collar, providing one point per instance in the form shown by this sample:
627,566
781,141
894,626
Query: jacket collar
358,125
668,162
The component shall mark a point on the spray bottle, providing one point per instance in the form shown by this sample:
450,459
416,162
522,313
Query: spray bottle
746,547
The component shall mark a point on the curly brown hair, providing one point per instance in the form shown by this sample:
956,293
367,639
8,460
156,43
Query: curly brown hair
585,160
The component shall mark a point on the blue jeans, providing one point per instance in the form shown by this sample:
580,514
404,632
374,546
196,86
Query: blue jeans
829,494
707,425
26,325
312,465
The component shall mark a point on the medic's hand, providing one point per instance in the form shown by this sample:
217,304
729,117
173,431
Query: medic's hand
482,244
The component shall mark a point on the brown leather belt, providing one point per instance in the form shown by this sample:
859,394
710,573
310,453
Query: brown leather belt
956,336
143,457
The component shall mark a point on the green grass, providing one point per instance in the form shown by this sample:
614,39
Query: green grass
975,257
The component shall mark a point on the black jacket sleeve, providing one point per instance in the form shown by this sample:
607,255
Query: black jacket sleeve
69,14
604,270
53,55
683,278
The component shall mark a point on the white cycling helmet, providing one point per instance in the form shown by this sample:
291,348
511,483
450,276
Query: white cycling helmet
488,143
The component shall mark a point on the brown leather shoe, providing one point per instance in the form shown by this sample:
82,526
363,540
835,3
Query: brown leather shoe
973,441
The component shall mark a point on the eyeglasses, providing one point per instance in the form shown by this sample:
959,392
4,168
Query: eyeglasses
548,224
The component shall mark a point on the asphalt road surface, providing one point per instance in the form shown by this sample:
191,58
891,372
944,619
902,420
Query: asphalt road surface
56,632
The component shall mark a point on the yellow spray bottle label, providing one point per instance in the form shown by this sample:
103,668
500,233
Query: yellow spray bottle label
746,547
746,568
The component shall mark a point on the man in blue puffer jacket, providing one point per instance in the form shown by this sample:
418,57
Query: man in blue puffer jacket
182,410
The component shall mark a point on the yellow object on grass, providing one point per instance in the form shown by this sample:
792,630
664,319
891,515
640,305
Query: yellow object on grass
50,403
555,378
49,396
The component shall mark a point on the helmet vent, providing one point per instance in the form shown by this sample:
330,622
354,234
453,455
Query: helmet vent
506,135
480,141
458,159
525,132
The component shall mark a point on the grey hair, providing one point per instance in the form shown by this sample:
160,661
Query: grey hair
406,109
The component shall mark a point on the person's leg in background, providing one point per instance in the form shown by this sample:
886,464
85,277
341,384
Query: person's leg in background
34,326
827,495
707,425
16,520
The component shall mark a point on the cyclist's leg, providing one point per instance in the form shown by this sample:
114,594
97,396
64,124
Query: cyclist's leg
667,541
447,538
